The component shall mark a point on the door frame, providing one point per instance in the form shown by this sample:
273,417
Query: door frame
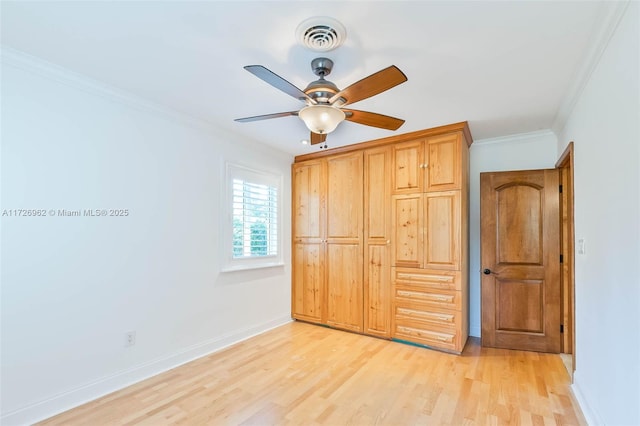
565,165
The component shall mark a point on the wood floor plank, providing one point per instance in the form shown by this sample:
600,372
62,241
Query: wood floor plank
301,374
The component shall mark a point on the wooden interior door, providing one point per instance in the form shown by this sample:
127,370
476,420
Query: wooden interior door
520,260
344,241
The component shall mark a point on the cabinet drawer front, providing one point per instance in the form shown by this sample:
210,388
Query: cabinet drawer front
440,317
429,297
437,337
445,280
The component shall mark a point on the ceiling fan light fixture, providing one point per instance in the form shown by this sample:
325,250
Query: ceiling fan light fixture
321,119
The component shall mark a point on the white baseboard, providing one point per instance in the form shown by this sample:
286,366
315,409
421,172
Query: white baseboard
590,415
108,384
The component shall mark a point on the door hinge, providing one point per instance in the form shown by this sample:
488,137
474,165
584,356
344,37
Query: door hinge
561,328
560,189
561,258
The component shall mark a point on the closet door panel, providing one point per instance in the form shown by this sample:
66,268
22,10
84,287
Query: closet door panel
344,198
308,200
407,234
344,245
308,282
377,238
344,283
443,162
442,230
377,308
408,165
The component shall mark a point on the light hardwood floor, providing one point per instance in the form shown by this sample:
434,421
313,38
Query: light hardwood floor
310,375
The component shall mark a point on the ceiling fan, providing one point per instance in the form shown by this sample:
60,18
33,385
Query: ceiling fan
324,108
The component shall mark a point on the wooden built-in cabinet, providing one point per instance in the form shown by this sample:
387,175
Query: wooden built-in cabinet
380,237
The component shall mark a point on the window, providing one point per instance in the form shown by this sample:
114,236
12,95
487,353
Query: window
253,234
255,219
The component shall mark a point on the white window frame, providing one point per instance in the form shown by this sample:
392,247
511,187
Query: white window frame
260,177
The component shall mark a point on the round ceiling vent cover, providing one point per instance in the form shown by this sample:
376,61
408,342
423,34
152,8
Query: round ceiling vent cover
321,33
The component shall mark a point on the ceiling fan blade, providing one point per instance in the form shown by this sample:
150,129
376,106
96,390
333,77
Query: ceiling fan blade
278,82
317,138
266,116
372,85
373,119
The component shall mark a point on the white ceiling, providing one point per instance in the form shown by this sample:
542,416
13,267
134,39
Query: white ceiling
505,66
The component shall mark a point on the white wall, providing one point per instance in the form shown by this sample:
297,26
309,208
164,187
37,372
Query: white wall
527,151
604,126
72,286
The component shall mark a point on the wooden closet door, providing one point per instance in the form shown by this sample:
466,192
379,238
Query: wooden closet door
442,230
377,238
408,167
344,241
307,297
308,291
443,162
407,242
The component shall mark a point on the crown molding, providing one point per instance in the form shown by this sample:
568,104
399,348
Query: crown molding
515,138
611,16
18,59
33,64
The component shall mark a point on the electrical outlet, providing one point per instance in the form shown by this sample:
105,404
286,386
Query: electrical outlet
129,338
582,249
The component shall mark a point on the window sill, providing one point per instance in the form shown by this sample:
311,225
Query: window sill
245,267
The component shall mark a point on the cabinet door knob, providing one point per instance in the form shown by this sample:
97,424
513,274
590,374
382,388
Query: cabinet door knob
486,271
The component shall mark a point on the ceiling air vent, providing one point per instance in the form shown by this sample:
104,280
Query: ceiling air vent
321,33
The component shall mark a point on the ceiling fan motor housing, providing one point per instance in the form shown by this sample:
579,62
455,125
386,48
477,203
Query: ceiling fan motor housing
322,66
321,90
